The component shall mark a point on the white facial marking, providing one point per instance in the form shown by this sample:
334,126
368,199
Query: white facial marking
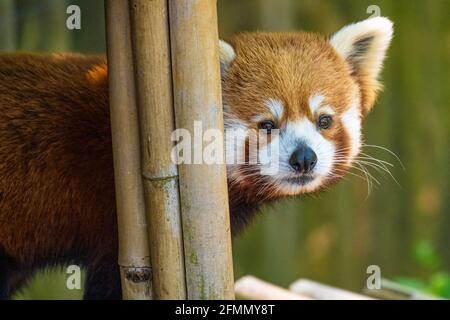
293,134
227,55
315,101
235,135
351,119
276,107
316,105
326,110
304,131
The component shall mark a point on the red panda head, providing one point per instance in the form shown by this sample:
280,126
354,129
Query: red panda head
314,90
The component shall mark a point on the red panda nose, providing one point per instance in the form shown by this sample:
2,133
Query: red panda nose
303,159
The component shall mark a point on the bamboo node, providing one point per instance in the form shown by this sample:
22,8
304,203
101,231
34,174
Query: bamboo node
151,177
137,275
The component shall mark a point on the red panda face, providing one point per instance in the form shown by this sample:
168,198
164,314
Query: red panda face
312,91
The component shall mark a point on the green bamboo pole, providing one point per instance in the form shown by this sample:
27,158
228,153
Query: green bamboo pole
203,187
154,84
8,32
134,256
44,29
283,21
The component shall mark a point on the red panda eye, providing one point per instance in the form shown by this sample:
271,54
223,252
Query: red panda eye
267,125
325,122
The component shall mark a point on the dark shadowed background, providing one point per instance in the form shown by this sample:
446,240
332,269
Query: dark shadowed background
334,236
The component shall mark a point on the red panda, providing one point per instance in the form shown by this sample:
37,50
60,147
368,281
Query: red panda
57,202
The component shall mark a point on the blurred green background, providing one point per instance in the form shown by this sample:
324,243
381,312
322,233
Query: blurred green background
334,236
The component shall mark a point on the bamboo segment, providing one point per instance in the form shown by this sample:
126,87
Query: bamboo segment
154,86
285,15
134,257
203,187
8,26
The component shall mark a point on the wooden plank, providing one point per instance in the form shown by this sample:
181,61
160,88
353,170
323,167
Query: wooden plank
320,291
251,288
390,290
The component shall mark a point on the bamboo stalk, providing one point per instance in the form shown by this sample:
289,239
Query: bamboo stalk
285,15
134,257
203,187
320,291
47,30
8,32
251,288
151,50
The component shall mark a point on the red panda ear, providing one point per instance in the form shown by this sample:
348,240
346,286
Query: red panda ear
363,45
227,55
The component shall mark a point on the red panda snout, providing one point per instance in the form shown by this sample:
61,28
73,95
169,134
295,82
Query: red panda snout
303,160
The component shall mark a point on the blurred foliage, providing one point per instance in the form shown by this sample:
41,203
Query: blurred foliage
438,284
330,237
427,256
438,281
49,284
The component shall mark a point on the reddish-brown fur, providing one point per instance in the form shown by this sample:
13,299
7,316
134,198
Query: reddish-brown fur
57,202
56,176
289,66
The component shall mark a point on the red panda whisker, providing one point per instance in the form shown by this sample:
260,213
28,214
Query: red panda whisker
381,162
369,182
359,168
366,170
381,169
365,177
376,163
385,149
338,176
372,157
